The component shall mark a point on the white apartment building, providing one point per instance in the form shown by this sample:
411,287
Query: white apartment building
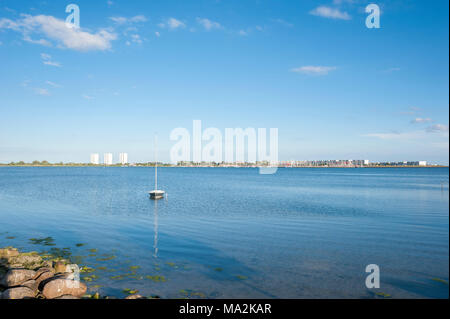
107,159
95,159
123,158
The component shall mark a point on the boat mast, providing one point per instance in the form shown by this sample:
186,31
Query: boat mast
156,163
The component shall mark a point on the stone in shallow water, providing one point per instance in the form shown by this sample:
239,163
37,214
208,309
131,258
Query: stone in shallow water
67,297
15,277
135,297
59,287
18,293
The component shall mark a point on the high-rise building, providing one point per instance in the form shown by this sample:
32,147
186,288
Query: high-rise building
95,159
123,158
107,159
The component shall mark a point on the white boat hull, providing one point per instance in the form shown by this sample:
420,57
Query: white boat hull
156,194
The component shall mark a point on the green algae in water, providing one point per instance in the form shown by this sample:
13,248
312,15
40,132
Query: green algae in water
10,237
156,278
134,267
218,269
86,269
80,245
90,278
171,264
382,294
187,293
96,296
440,280
60,253
106,258
46,241
129,291
93,250
77,259
241,277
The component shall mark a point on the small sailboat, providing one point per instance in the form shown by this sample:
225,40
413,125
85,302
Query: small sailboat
156,193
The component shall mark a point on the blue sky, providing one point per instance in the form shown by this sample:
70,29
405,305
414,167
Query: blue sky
334,88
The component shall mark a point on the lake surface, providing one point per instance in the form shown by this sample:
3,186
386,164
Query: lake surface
232,233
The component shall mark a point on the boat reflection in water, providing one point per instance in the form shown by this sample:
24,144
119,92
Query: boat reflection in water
155,228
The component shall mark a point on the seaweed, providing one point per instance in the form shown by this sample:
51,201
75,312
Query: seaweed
156,278
440,280
383,295
46,241
129,291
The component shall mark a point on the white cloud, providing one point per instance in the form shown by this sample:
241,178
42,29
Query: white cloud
172,24
397,135
420,120
338,2
136,38
109,3
243,33
314,70
47,60
51,63
157,34
87,97
53,84
283,22
56,30
124,20
331,13
440,128
208,24
138,18
119,20
41,91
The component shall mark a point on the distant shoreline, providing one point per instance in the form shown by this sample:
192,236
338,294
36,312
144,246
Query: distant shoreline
175,166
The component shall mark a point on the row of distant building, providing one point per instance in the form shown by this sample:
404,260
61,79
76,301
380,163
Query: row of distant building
316,163
123,160
349,163
108,159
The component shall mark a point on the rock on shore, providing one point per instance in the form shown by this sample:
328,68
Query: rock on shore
27,275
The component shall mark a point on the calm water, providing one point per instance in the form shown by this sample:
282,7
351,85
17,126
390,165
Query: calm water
231,233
